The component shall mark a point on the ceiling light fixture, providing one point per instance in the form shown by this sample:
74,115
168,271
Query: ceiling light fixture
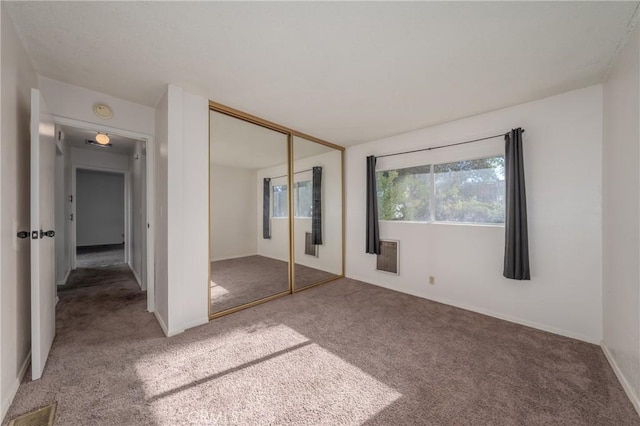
102,138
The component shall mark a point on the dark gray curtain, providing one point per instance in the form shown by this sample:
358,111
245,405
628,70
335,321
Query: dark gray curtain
373,229
316,209
266,203
516,247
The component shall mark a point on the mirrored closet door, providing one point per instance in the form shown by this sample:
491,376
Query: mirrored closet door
248,213
317,207
261,175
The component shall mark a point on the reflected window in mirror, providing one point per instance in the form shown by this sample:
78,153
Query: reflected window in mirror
280,195
303,199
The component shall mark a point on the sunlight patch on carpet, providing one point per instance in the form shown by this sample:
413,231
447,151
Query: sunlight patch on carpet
217,290
271,375
183,364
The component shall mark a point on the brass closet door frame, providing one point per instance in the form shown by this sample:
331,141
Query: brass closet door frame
223,109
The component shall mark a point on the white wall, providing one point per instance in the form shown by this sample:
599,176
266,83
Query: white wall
563,159
83,157
100,214
233,205
160,212
182,127
137,166
621,217
18,77
66,100
61,201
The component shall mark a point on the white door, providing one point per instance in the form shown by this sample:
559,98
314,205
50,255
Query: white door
43,290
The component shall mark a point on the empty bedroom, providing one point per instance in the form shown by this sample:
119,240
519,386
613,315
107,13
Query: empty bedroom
328,213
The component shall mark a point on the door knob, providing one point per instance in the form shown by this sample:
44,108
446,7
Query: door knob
49,234
23,234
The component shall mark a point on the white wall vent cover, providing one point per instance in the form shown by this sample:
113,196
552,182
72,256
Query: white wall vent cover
389,258
310,248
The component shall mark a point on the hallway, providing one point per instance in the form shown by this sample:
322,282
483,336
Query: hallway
98,266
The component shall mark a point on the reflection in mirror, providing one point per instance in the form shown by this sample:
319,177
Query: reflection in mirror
248,212
317,206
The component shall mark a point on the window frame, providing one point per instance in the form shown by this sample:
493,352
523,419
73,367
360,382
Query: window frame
273,201
432,204
296,198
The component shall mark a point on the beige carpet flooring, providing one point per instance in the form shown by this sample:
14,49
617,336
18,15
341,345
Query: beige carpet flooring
99,256
344,353
242,280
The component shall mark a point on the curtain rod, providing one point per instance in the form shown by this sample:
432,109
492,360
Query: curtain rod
295,173
443,146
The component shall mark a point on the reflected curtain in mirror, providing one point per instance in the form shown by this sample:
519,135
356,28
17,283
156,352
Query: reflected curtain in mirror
266,204
316,212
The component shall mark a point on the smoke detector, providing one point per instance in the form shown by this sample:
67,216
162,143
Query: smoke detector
102,111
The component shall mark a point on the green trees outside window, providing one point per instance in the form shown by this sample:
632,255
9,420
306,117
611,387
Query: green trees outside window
470,191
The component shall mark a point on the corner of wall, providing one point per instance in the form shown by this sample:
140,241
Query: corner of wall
628,389
13,389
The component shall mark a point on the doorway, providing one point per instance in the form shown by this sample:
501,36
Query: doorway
100,218
101,205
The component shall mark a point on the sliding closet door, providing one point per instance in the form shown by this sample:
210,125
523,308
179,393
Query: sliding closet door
317,207
248,213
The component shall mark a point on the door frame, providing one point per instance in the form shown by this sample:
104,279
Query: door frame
150,191
127,210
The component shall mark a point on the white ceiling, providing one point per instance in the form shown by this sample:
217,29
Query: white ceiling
240,144
77,138
347,72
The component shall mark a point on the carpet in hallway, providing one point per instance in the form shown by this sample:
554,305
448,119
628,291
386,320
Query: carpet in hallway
99,256
344,353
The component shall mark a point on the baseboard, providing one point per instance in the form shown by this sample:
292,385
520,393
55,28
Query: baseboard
162,324
232,257
135,275
623,380
66,277
195,323
272,257
494,314
13,389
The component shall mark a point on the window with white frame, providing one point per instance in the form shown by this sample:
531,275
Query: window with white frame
470,191
303,198
404,194
279,197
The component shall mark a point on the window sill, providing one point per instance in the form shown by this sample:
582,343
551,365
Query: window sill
482,225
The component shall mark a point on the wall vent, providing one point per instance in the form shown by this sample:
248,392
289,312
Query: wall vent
388,259
310,248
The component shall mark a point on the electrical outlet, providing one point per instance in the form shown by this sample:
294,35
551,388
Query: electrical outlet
432,279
